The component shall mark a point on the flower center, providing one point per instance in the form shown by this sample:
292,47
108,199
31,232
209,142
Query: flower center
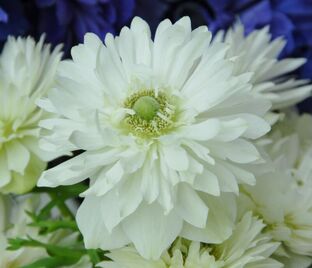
146,107
154,113
6,129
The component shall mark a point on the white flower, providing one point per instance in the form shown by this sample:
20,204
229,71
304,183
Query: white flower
287,211
282,198
14,223
291,146
257,53
246,247
27,72
159,121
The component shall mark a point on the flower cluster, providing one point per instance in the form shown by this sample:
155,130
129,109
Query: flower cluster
184,148
67,21
166,150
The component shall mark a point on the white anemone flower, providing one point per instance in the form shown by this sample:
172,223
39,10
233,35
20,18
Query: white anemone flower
282,197
14,223
287,211
159,120
246,247
27,72
291,140
257,53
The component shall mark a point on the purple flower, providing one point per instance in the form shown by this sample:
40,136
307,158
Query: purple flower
207,12
66,21
289,18
12,19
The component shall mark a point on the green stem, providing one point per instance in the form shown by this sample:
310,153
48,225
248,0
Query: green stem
62,205
94,256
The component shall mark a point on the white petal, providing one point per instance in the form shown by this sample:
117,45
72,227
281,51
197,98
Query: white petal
283,67
151,231
220,223
231,129
239,151
200,150
93,229
167,40
87,141
142,37
5,175
113,79
190,207
17,155
187,56
257,126
226,179
70,172
175,157
207,182
242,175
150,183
105,180
202,131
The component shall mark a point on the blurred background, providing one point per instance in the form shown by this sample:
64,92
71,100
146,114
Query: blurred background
66,21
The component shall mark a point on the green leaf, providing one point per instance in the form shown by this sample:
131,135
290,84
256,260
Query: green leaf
46,210
52,262
64,191
53,225
53,250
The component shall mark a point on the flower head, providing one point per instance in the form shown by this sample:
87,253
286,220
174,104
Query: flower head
246,247
291,146
271,77
27,72
159,120
282,197
286,209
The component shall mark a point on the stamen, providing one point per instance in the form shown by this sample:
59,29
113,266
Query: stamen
153,113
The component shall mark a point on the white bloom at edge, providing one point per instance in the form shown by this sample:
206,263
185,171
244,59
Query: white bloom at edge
283,197
27,71
291,146
246,247
286,208
14,223
257,53
159,121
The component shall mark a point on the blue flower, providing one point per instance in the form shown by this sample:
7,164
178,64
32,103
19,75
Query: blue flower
12,19
288,18
201,12
66,21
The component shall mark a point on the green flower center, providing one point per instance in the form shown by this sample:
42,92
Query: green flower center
154,113
146,107
6,132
